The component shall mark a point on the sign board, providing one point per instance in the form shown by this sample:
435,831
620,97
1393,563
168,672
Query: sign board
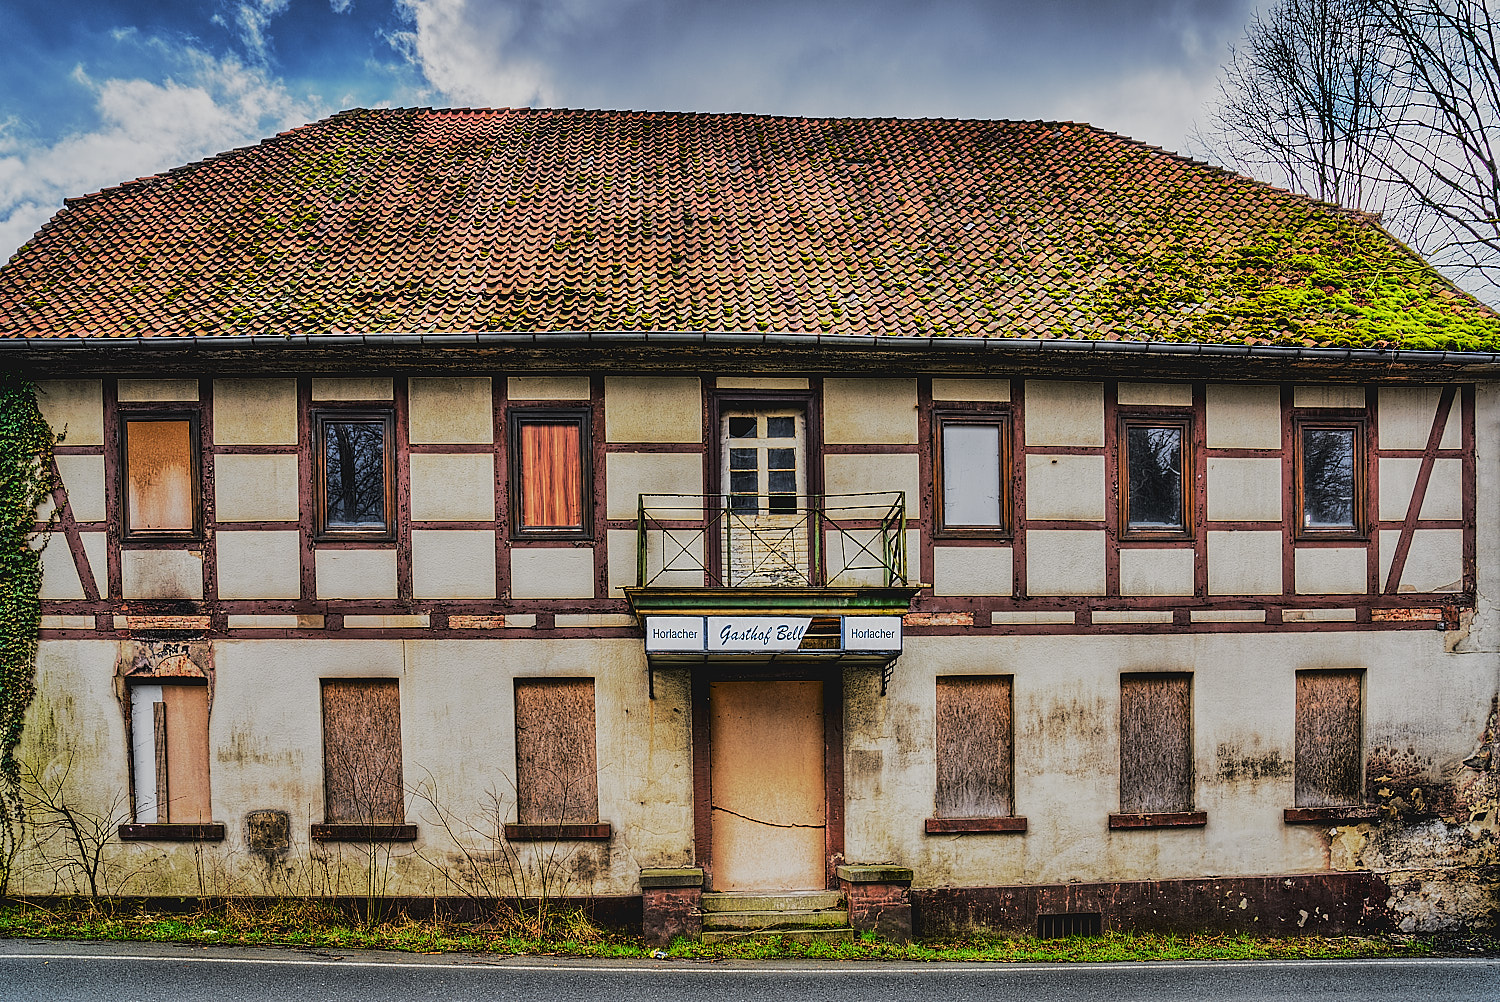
674,633
756,633
872,633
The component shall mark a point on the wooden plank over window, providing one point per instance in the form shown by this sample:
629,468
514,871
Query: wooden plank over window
1329,741
556,764
1156,743
160,476
550,473
973,730
362,783
169,725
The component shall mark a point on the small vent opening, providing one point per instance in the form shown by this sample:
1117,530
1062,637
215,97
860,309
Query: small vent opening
1069,924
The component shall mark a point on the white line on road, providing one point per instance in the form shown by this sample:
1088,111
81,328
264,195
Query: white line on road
680,967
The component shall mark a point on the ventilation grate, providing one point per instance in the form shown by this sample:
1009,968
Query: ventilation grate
1069,924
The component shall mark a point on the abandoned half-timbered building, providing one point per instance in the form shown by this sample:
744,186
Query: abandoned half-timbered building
958,523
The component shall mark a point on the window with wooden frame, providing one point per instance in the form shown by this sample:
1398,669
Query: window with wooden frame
1329,754
1331,493
972,473
362,778
1156,751
551,486
975,755
557,775
1156,482
354,474
159,470
169,752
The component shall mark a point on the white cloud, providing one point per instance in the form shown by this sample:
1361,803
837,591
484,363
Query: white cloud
250,19
208,106
340,6
469,54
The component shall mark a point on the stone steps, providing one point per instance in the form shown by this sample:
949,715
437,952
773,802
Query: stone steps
801,916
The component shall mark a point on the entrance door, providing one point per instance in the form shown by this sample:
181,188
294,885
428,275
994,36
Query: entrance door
766,762
764,482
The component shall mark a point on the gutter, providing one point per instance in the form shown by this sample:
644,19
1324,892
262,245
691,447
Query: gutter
749,339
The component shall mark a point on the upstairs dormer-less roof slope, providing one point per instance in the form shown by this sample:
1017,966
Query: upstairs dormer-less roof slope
426,221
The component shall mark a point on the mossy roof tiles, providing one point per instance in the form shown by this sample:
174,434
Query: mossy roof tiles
422,220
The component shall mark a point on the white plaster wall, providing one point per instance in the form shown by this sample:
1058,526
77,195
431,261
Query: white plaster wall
139,391
1405,418
1064,413
761,382
1158,394
356,573
450,409
872,474
452,488
1067,750
352,388
256,564
875,411
1349,397
1444,496
1064,562
1434,563
1331,570
653,409
1244,490
1065,487
547,387
971,570
161,574
453,563
1244,563
552,572
59,572
255,411
83,478
1156,571
255,488
73,408
674,558
1242,417
628,475
993,390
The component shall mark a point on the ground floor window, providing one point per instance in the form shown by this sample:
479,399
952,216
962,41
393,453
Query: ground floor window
557,779
362,782
1156,743
169,745
974,747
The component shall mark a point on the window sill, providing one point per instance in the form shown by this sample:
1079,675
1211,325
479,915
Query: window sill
1166,819
1324,815
557,833
963,826
364,833
209,832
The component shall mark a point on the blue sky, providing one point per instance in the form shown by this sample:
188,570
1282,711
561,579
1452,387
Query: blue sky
94,93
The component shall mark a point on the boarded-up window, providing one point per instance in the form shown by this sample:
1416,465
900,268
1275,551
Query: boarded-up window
549,472
1328,762
1156,743
362,752
974,747
169,743
556,766
160,492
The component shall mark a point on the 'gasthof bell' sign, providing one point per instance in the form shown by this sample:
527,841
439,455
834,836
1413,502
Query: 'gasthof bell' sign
756,633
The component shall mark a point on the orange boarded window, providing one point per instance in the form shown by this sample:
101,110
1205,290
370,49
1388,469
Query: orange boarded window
159,481
549,470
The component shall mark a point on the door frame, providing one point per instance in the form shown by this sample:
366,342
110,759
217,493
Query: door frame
713,460
832,678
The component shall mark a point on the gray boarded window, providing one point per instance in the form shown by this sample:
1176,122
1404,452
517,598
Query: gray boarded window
1329,742
974,735
1156,743
556,765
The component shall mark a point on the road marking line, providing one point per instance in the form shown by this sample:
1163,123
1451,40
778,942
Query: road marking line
675,967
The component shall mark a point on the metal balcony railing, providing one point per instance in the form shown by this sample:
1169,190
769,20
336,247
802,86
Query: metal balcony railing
734,541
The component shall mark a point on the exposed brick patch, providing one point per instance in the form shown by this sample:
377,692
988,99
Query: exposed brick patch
938,619
476,622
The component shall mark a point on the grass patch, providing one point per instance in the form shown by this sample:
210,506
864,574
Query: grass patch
316,925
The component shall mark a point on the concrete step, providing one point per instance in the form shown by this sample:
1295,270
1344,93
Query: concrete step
845,935
719,901
781,918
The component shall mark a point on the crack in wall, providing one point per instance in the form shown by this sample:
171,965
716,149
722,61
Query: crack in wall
768,824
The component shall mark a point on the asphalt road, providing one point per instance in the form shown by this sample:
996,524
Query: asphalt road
137,972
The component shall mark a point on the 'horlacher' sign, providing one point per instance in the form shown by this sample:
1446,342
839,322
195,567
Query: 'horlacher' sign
765,634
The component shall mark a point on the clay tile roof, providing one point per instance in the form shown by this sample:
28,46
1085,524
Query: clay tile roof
417,220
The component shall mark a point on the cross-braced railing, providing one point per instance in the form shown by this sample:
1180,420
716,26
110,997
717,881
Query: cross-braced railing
720,540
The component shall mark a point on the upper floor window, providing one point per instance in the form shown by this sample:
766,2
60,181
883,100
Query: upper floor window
1155,492
160,474
549,473
355,474
763,454
973,482
1329,458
